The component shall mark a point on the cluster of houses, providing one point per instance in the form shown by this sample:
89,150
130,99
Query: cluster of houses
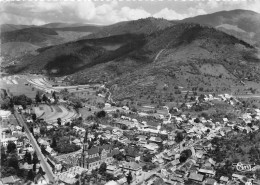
11,132
132,133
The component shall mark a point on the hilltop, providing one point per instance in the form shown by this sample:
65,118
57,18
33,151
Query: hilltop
13,27
23,42
141,26
244,24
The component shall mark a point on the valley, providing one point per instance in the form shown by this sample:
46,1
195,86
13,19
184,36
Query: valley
138,102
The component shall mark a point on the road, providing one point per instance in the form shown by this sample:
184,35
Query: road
158,54
109,96
247,96
46,168
170,115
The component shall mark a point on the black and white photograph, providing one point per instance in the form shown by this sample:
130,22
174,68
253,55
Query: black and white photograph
130,92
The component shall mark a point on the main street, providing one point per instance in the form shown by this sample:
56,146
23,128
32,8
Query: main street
46,168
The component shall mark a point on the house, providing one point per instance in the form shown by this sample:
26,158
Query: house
70,176
223,180
152,147
196,177
4,114
25,166
125,108
112,183
130,166
92,158
175,178
237,176
210,181
155,139
205,171
5,141
225,120
10,180
131,153
114,170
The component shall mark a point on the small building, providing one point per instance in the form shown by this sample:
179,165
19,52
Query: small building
196,177
155,139
130,166
114,170
10,180
4,114
223,180
210,181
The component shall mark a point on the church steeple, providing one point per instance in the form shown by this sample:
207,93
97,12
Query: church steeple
85,141
85,147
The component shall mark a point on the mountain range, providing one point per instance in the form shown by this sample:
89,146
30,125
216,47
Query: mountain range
143,58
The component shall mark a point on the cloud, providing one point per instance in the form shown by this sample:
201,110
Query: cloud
169,14
133,14
109,12
86,11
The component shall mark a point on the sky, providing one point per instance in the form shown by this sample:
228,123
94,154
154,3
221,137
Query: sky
106,12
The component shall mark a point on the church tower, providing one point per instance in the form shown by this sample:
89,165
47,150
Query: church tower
84,149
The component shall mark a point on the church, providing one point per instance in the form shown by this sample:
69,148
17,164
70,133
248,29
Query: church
92,158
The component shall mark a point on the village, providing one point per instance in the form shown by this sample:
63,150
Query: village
55,139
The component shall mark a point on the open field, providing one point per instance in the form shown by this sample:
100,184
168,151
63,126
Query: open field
51,113
17,85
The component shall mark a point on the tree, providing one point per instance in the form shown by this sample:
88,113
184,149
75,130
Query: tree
3,155
185,154
43,150
11,147
101,105
22,100
32,131
34,167
201,97
23,129
35,158
257,173
54,95
28,157
129,178
179,137
102,168
124,127
42,130
59,121
34,117
196,120
30,175
44,98
41,171
148,157
101,114
13,162
119,156
38,98
54,143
